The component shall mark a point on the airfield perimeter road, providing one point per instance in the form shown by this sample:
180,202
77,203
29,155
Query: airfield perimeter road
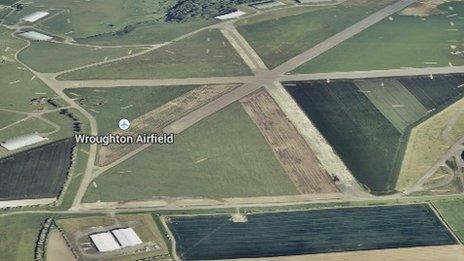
262,78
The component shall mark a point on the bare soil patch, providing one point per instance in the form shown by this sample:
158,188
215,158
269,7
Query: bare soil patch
424,8
295,155
157,119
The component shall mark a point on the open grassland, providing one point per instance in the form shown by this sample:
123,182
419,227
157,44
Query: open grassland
360,134
36,173
17,85
60,24
224,155
295,155
27,126
429,141
8,2
402,41
76,231
277,39
394,101
101,16
109,105
156,120
146,33
54,57
7,118
308,232
204,54
18,236
452,211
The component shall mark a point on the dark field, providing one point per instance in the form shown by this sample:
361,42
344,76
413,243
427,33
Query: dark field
434,93
360,134
36,173
308,232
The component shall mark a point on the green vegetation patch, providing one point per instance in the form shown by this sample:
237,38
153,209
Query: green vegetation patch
18,86
59,24
394,101
204,54
404,41
8,2
279,39
27,126
452,211
52,57
360,134
109,105
7,118
224,155
36,173
146,33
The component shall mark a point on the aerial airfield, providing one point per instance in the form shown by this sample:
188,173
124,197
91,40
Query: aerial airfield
231,129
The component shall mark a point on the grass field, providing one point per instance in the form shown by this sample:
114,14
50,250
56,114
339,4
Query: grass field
278,39
28,126
60,24
429,141
360,134
53,57
36,173
224,155
17,85
101,16
204,54
7,118
308,232
405,41
146,33
109,105
394,101
452,211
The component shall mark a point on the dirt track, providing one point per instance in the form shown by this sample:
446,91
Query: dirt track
296,157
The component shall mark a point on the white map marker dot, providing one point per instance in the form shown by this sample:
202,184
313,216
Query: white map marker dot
124,124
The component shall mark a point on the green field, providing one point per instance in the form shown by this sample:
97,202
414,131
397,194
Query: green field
146,33
100,16
405,41
366,141
60,24
452,211
7,118
17,85
279,39
224,155
204,54
28,126
109,105
394,101
52,57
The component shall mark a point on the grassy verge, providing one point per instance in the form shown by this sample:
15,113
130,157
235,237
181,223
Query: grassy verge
224,155
452,211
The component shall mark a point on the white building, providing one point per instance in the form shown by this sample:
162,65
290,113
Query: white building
35,16
33,35
105,242
232,15
22,141
126,237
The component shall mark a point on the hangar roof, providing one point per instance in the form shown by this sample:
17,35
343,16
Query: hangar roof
105,242
22,141
126,237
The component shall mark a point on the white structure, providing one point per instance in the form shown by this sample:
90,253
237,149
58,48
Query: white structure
35,16
232,15
22,141
105,242
126,237
33,35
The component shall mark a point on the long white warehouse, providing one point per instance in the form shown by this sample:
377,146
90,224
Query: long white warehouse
35,16
33,35
126,237
22,141
232,15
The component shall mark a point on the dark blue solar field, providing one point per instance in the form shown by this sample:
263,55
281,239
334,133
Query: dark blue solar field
318,231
